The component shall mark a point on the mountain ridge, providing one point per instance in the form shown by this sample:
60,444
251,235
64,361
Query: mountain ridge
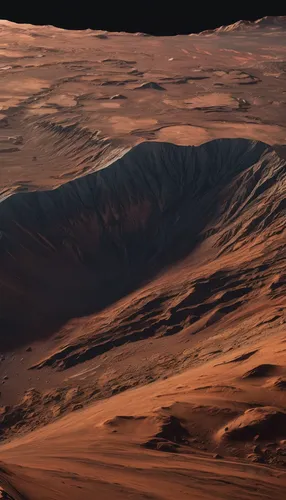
84,244
241,25
244,25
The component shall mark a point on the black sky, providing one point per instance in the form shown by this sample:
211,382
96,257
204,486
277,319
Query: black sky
149,17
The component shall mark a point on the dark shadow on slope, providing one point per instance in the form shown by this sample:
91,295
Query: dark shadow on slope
76,249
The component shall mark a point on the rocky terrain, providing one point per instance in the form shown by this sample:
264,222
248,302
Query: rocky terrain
267,23
142,269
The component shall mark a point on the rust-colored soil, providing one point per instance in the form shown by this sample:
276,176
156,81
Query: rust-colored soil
142,264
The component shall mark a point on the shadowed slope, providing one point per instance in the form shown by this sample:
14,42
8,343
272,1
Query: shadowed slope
75,249
265,23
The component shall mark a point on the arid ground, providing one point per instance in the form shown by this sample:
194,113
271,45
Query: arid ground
142,264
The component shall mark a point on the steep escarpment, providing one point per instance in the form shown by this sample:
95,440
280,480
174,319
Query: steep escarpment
265,23
76,249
